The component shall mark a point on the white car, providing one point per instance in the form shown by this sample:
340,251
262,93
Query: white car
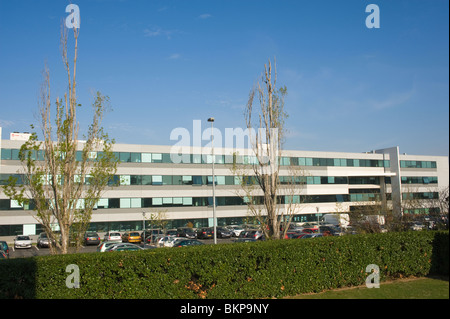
22,242
113,236
170,241
235,229
106,245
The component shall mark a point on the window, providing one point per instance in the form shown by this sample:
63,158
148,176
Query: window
6,154
125,203
285,161
157,180
135,202
125,157
196,159
177,180
103,203
166,158
146,202
146,180
158,201
135,157
209,179
187,180
228,159
178,201
156,158
167,180
229,180
146,157
220,159
197,180
113,202
15,154
125,180
220,180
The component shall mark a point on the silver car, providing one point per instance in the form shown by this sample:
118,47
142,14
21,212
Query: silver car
113,236
22,242
43,240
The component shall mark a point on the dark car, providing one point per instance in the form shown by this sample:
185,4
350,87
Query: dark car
187,242
4,247
205,233
186,232
91,238
44,241
222,232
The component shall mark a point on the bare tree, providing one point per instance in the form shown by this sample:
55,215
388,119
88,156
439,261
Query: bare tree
64,178
261,187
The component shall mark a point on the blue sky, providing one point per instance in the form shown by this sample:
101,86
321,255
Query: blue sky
166,63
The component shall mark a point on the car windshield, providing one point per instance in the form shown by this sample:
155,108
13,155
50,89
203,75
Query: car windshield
23,238
114,234
134,234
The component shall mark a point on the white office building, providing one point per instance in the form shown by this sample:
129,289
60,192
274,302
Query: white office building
150,182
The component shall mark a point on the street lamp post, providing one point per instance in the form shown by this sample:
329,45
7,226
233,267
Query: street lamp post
211,119
318,222
143,227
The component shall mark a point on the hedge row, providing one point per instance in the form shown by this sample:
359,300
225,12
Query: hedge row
241,270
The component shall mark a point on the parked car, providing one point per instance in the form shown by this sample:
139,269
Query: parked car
131,237
171,241
113,236
160,239
236,230
171,232
310,230
187,242
22,242
91,238
223,232
106,245
294,235
205,233
151,232
312,235
4,247
123,247
416,226
43,240
186,232
255,234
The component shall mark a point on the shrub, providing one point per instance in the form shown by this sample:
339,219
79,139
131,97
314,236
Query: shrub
241,270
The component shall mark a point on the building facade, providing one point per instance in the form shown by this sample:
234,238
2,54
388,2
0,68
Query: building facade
151,183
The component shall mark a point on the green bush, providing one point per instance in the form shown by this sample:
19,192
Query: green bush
241,270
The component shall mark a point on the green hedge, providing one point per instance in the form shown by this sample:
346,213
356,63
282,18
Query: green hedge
241,270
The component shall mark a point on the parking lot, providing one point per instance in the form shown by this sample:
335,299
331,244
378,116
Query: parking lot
35,251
